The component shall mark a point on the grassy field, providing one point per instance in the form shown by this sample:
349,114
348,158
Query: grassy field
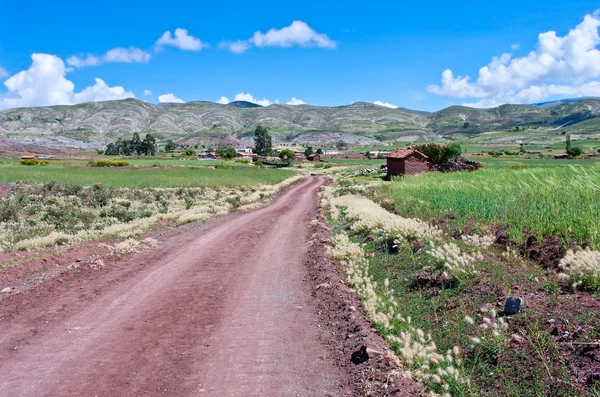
546,201
438,297
507,161
11,172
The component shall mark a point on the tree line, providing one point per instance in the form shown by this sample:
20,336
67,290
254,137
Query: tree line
135,145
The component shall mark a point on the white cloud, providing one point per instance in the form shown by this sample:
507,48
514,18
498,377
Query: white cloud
147,92
567,65
223,100
44,84
386,104
296,102
249,98
169,98
124,55
515,46
182,40
3,73
237,47
297,34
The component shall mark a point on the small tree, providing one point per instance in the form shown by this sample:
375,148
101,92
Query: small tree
190,152
572,151
149,145
136,144
453,150
308,151
226,152
170,146
262,141
368,155
320,151
341,145
287,155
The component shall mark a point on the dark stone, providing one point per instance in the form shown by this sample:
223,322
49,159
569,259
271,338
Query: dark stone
360,356
513,305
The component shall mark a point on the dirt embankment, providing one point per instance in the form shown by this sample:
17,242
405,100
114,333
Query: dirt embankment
226,308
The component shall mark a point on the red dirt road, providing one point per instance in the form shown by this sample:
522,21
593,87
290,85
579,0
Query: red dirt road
222,311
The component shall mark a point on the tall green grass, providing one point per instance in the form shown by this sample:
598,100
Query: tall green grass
114,177
563,201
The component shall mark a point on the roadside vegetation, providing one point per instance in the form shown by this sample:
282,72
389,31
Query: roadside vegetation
43,215
434,258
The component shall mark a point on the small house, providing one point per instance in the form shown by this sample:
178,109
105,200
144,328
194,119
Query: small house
28,157
314,157
407,162
561,156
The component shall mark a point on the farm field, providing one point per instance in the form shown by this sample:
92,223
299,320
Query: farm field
11,172
542,201
434,258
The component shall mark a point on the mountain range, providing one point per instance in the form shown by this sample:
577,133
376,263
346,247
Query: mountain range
92,125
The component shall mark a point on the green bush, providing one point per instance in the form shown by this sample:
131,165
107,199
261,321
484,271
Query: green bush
34,162
108,163
222,166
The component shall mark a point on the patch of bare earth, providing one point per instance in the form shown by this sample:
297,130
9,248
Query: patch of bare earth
344,327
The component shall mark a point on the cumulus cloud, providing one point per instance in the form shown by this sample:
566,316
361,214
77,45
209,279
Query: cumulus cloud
567,65
223,100
166,98
147,92
44,84
296,34
3,73
237,47
124,55
249,98
182,40
515,46
295,102
386,104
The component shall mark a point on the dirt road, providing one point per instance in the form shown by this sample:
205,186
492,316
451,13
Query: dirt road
222,313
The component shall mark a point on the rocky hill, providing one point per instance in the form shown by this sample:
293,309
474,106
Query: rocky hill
95,124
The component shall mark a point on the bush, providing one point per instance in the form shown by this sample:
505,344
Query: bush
440,154
574,151
518,166
222,166
226,152
244,161
35,162
158,165
328,165
108,163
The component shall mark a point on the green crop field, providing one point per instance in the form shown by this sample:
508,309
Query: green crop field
11,172
542,201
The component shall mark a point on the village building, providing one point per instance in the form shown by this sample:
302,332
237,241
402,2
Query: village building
561,156
407,162
314,157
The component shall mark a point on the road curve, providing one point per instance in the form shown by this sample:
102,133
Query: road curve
225,312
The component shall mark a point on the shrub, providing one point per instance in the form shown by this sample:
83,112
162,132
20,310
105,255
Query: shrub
226,152
243,161
582,269
328,165
518,166
108,163
222,166
35,162
158,165
440,154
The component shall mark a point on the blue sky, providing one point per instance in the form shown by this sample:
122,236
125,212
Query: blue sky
338,52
